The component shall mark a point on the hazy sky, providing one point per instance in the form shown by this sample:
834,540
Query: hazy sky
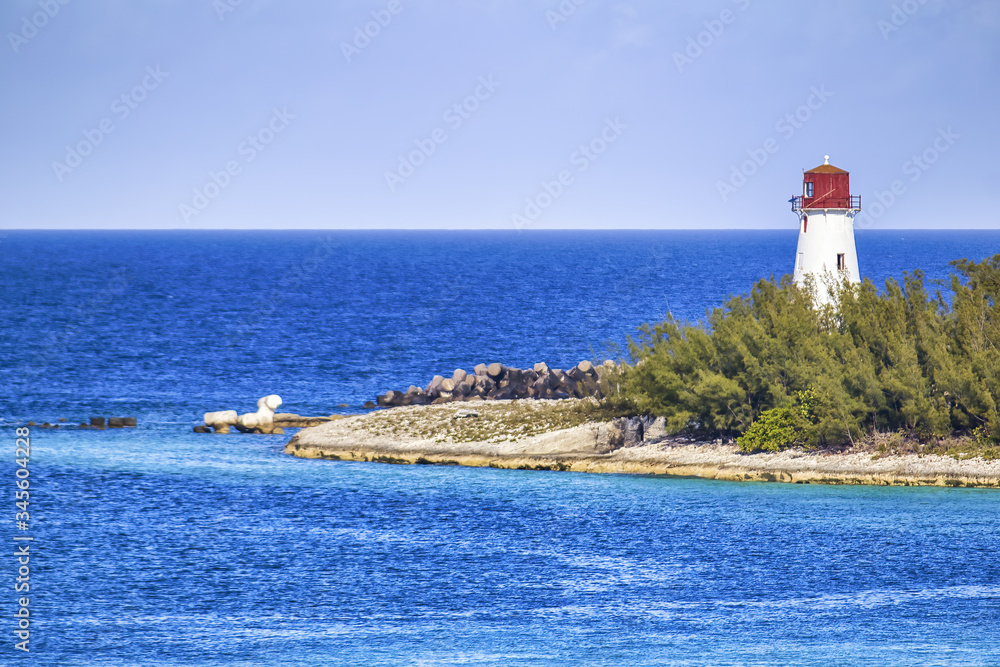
491,114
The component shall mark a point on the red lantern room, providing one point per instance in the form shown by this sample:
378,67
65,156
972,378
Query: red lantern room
826,187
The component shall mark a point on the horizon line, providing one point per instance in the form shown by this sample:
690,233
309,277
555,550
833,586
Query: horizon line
468,229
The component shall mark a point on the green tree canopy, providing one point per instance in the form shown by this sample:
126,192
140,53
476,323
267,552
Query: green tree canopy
896,359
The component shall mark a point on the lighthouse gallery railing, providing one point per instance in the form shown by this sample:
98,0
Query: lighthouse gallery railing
852,201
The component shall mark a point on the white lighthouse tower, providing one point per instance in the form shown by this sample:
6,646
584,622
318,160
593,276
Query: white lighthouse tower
826,211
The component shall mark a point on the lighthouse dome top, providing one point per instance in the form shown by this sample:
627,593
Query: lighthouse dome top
826,168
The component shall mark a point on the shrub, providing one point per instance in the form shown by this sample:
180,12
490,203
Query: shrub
775,430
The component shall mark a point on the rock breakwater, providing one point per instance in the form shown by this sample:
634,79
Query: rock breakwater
496,382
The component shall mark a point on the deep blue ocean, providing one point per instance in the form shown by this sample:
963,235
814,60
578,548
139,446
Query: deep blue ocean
158,546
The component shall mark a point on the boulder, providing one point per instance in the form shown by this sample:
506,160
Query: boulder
247,423
447,385
263,419
391,399
484,385
586,367
202,429
415,396
271,403
97,421
540,388
129,422
221,421
370,405
571,387
609,438
495,371
556,378
541,368
115,422
632,427
459,376
480,369
655,430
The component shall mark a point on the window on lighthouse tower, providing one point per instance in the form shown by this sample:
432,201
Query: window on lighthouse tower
809,189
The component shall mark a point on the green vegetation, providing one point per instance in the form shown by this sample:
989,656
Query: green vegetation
780,428
774,371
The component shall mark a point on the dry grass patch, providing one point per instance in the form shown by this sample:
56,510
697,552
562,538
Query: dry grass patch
959,447
485,421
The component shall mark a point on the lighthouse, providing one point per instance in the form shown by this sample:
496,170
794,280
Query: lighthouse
826,211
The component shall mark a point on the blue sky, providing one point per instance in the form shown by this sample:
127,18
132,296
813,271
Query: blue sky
479,114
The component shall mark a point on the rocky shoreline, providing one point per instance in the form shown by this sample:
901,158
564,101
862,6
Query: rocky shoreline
570,435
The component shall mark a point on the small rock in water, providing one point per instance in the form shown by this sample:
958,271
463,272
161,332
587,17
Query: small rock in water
370,405
466,414
202,429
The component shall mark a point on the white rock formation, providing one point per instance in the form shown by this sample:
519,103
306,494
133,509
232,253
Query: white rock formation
221,421
261,421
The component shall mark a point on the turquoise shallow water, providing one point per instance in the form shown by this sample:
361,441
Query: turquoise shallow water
158,546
